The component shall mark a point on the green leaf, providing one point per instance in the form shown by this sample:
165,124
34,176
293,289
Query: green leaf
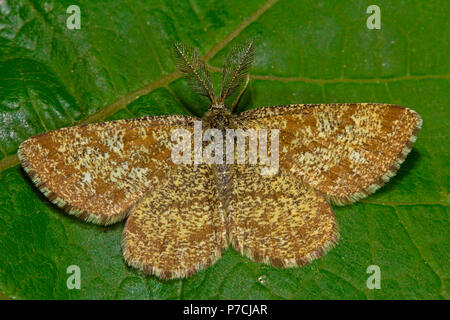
119,65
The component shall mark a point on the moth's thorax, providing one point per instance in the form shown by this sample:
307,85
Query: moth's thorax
218,117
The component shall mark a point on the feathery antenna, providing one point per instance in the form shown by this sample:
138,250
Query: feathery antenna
194,69
236,67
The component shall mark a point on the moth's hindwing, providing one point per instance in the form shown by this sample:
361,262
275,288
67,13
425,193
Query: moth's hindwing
278,220
179,227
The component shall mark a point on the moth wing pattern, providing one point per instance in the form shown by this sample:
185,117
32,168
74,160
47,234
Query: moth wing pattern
277,219
344,151
97,171
179,227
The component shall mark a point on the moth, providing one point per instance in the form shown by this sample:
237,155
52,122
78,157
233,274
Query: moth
180,217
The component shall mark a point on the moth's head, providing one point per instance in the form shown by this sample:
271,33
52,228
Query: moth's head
234,74
217,107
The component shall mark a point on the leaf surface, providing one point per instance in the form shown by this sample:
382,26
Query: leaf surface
119,65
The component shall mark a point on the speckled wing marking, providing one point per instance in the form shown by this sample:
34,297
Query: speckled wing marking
344,151
179,227
278,220
97,171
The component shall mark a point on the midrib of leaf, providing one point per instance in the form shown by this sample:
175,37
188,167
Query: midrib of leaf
341,80
388,203
349,80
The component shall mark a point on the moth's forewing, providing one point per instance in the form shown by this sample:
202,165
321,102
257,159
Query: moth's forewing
179,227
98,171
277,219
344,151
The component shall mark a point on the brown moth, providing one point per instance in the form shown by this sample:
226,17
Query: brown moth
181,217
